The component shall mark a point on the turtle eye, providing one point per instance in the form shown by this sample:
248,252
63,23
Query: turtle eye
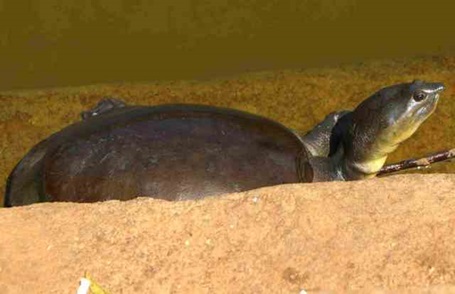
419,96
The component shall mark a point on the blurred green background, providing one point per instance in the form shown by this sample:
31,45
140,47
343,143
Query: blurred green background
73,42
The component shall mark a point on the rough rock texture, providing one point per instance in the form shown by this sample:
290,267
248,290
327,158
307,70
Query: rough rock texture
394,233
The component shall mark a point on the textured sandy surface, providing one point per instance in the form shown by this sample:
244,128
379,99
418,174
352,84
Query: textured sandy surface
393,233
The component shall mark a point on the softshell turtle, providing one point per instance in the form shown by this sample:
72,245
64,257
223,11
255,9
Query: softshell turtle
179,152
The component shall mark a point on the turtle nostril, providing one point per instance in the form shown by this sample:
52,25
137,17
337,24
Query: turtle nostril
440,88
436,88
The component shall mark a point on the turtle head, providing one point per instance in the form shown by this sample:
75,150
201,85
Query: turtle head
381,122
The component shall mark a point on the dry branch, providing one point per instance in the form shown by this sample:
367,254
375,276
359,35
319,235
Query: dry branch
418,163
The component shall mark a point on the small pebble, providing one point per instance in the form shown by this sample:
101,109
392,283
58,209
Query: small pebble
84,286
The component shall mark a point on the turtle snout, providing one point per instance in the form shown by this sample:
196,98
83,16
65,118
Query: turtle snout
434,88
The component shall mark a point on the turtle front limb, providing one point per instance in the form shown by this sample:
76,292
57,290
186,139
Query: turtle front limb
320,140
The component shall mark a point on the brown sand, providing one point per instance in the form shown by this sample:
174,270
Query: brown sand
395,233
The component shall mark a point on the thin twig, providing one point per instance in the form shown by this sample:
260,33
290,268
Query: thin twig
416,163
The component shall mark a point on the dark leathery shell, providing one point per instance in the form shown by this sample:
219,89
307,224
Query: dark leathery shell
173,152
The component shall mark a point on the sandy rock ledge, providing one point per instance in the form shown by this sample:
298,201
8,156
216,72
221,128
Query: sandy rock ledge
395,233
